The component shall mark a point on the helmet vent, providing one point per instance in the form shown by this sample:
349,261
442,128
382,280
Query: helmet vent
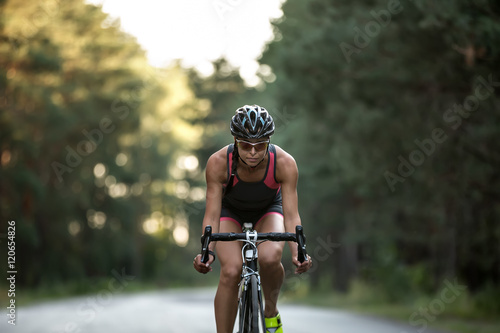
252,122
252,114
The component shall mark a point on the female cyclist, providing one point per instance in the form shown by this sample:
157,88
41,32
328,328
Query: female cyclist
250,181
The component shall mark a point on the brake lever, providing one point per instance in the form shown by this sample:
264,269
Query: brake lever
301,244
205,240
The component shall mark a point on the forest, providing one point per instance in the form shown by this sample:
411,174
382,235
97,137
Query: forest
390,108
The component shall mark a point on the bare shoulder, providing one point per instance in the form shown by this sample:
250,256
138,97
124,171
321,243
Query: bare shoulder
286,167
284,158
217,166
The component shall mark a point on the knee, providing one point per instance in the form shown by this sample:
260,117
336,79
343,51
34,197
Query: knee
230,275
270,259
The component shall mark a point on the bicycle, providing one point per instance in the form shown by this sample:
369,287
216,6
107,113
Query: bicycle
250,307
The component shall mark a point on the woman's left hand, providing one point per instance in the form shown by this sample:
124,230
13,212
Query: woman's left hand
304,266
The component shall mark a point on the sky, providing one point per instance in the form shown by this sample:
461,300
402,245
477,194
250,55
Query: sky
199,31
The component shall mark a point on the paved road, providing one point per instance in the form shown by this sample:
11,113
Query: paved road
174,312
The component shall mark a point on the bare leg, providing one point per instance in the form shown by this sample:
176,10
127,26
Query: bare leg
226,298
271,269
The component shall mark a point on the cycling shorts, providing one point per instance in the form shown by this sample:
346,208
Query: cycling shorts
253,217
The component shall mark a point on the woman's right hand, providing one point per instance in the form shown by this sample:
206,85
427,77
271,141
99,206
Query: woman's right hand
201,267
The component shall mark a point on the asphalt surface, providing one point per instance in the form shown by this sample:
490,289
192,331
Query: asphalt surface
175,312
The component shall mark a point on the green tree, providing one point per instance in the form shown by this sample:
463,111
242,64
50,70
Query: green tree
90,134
371,84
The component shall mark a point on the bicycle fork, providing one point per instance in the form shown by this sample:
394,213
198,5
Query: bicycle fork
249,268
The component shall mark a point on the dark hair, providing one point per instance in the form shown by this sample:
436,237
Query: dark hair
229,185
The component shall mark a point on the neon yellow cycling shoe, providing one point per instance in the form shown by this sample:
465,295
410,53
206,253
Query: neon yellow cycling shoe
273,325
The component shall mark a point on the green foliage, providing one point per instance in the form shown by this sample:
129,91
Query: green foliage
90,136
392,119
486,300
364,100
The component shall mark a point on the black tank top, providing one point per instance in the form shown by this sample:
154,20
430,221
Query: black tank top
253,196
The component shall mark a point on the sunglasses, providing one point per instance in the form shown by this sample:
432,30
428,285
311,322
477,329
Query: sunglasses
259,146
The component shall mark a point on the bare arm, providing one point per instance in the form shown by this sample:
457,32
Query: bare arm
287,174
215,176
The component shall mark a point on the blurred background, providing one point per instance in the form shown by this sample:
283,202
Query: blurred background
390,108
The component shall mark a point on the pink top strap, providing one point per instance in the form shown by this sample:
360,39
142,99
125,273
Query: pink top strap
270,180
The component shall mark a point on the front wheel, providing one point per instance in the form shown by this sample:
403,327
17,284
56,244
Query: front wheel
245,309
258,321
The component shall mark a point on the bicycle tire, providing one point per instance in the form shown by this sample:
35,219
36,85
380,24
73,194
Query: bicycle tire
258,321
245,308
